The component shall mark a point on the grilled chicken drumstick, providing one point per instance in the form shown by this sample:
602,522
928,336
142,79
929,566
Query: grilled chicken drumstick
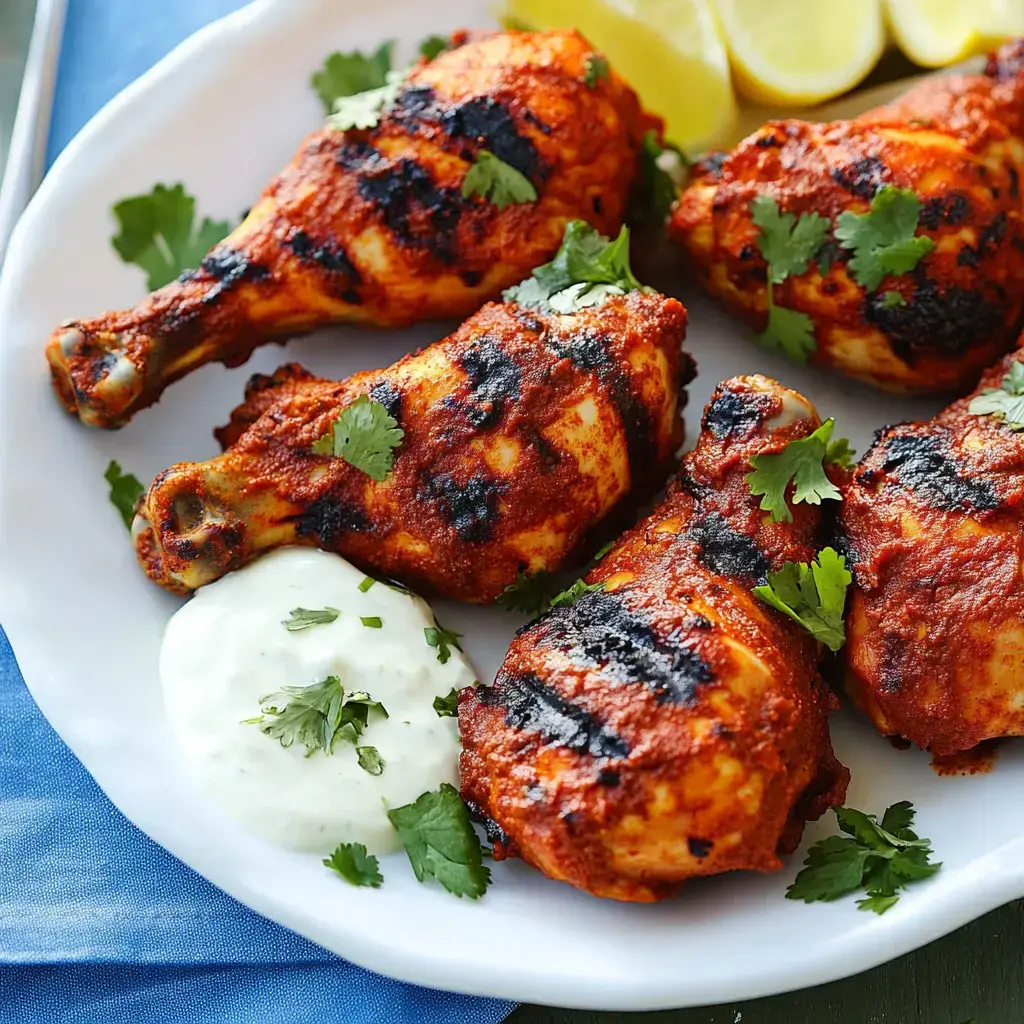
523,430
668,725
371,225
935,626
927,289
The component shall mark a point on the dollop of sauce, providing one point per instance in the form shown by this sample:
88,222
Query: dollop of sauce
228,648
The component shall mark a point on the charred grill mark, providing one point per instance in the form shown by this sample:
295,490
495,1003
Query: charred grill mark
471,278
532,705
355,155
946,322
925,466
622,643
863,178
400,191
724,551
608,777
951,208
471,508
494,377
229,267
699,848
589,352
490,123
387,394
326,520
731,412
768,141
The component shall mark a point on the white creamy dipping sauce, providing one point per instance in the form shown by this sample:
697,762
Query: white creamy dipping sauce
228,648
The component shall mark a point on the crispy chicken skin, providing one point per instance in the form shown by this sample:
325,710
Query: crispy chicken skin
958,143
371,226
523,430
670,725
935,622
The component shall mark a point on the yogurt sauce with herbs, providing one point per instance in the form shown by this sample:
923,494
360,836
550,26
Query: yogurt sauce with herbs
229,648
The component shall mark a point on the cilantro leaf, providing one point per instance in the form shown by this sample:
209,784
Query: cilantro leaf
433,45
892,300
439,839
447,707
316,716
595,67
870,857
660,184
839,452
813,595
370,760
355,865
125,491
497,181
528,594
788,244
883,241
364,109
158,233
801,462
574,593
443,639
587,269
364,435
789,332
1004,403
303,618
346,74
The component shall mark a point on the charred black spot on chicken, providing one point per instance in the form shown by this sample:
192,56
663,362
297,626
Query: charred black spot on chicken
725,551
470,507
925,465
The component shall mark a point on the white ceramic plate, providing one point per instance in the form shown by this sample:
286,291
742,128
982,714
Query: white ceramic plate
222,113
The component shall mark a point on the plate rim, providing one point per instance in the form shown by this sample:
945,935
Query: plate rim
927,920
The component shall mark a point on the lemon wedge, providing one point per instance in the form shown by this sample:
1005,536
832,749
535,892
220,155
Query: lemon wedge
801,51
670,51
939,32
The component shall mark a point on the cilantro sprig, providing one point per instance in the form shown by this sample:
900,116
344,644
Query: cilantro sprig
158,233
879,858
433,45
447,706
587,269
347,74
355,865
595,67
788,245
443,640
803,463
303,618
884,240
497,181
528,594
572,594
125,491
365,436
813,595
317,716
1005,402
440,842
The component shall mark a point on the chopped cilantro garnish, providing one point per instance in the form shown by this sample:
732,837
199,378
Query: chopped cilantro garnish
370,760
433,45
574,593
883,241
660,186
443,639
303,618
595,67
368,581
347,74
364,109
801,462
813,595
497,181
365,436
316,716
586,270
125,491
881,859
355,865
528,594
447,707
371,621
1005,402
892,300
158,233
439,839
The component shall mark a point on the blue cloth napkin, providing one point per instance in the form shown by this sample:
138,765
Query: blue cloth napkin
99,925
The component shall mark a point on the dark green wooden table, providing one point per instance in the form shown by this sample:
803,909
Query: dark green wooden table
974,975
